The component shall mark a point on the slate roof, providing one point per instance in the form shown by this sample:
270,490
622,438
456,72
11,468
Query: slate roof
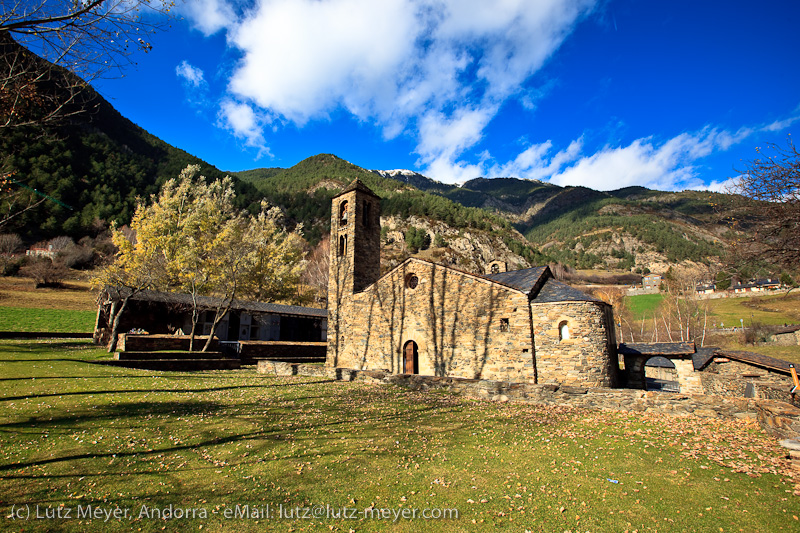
357,185
755,359
540,286
208,302
555,291
703,356
657,348
525,280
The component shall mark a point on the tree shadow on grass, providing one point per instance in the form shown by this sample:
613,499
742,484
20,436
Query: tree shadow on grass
275,428
177,391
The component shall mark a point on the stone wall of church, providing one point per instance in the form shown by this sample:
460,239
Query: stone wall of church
575,344
463,326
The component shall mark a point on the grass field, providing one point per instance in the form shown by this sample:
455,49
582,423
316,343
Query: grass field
71,309
643,305
769,310
19,292
50,320
76,433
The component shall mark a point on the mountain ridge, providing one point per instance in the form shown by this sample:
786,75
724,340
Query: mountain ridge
102,163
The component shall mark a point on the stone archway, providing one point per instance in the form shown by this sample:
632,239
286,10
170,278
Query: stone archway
680,355
660,374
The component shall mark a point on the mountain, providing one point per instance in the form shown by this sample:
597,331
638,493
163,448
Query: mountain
464,236
98,163
93,164
633,228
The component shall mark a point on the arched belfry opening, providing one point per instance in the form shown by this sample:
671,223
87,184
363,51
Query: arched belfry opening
344,213
410,358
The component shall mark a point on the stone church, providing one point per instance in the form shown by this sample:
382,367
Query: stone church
431,319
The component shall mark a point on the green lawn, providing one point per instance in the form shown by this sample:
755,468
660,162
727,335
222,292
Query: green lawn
50,320
76,433
643,305
769,310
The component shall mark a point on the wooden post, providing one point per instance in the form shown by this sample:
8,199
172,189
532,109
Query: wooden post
794,379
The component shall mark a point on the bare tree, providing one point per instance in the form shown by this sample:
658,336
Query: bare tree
684,315
770,225
41,40
49,51
316,273
10,243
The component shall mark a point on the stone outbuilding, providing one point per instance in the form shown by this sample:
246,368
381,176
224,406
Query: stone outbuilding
431,319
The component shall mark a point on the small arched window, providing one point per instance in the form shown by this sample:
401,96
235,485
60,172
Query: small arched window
563,331
495,268
412,281
343,213
342,245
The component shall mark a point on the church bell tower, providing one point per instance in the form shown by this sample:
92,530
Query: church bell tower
355,257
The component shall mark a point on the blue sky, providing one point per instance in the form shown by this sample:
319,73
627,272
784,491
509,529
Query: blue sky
669,95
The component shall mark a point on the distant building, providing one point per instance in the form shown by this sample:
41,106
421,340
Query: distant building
706,288
41,251
756,285
651,281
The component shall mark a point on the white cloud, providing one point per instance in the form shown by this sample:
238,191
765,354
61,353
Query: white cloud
209,16
533,163
724,186
666,165
442,138
669,165
407,66
779,125
193,76
305,58
242,121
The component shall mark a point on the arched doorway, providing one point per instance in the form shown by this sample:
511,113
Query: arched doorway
660,374
410,358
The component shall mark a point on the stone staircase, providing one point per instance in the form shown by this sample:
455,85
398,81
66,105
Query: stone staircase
174,360
170,353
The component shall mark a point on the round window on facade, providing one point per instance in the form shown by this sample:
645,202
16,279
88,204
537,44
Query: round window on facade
412,281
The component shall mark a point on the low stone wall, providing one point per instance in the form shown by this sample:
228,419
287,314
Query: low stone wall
787,339
734,379
778,418
129,342
280,368
306,352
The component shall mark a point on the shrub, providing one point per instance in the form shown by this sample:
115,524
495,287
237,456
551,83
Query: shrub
77,256
757,332
10,243
45,273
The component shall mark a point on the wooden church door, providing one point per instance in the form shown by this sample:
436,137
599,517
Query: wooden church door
410,358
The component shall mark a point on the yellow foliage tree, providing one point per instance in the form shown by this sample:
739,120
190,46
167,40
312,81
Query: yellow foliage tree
205,247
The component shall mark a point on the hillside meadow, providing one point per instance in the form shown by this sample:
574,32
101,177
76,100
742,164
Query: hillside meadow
235,451
71,309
